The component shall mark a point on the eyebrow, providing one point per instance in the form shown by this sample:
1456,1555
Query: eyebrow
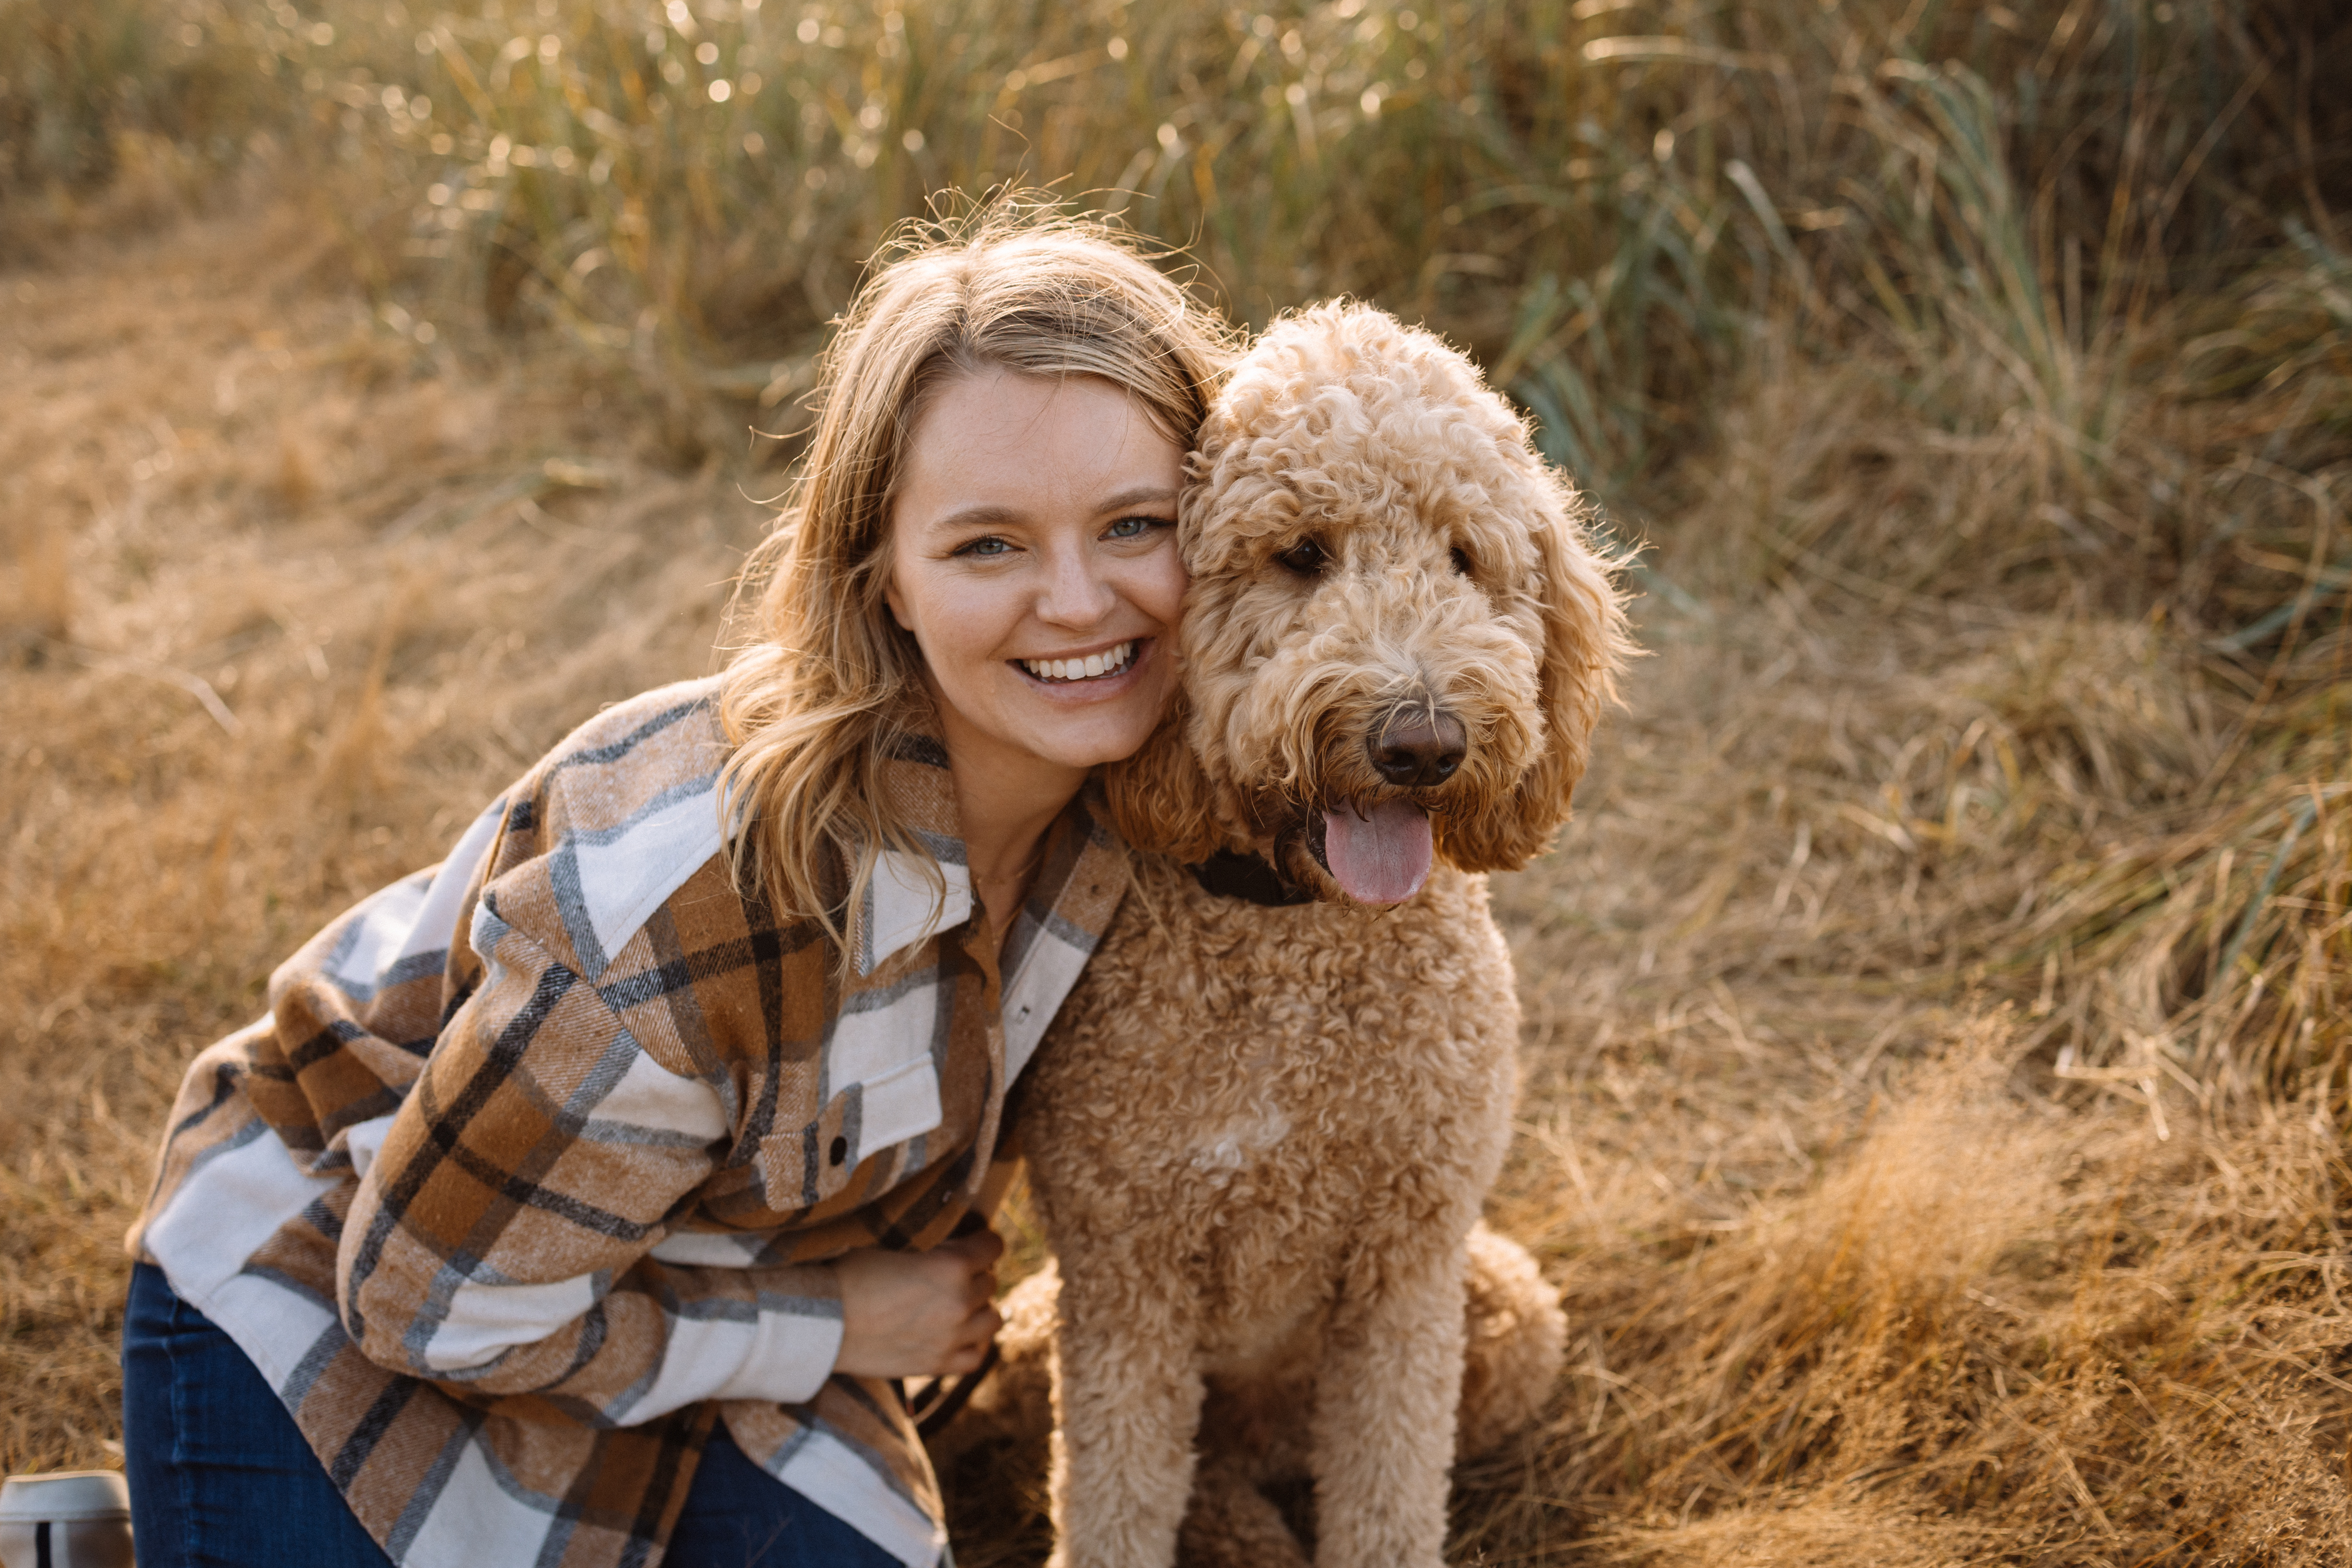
1138,495
985,515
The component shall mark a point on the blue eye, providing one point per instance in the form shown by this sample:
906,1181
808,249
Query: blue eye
984,549
1134,527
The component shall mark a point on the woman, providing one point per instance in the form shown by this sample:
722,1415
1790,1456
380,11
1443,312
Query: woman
577,1198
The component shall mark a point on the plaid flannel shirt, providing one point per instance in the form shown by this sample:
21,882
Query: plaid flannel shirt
532,1168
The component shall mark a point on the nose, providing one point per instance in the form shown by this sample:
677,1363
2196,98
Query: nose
1074,592
1418,747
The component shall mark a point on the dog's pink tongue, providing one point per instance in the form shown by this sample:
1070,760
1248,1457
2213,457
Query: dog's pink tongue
1382,858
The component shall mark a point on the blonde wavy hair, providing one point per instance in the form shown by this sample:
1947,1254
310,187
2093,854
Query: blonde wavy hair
826,684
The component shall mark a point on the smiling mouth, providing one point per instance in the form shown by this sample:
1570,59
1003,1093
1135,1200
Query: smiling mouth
1114,660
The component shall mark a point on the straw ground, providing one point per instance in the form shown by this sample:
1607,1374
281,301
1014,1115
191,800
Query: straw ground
1855,1275
1938,1060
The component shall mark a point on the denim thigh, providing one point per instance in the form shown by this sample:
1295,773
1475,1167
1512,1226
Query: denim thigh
220,1476
738,1516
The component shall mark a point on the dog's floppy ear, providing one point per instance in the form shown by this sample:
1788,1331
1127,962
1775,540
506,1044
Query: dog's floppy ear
1160,798
1585,643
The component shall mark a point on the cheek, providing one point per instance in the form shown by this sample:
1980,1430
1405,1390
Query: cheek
1157,587
962,638
945,608
897,577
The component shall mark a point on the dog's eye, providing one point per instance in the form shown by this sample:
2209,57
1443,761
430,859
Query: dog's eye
1306,558
1462,560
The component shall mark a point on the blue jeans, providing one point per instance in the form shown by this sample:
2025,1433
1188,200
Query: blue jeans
221,1476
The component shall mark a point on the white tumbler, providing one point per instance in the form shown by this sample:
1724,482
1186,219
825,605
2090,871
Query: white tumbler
69,1519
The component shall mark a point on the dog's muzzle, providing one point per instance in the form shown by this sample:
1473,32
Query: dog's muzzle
1418,748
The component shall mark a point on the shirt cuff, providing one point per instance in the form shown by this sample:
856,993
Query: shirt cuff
794,1342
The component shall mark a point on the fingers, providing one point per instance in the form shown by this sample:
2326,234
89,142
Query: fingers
978,1288
981,1247
973,1341
906,1314
975,1255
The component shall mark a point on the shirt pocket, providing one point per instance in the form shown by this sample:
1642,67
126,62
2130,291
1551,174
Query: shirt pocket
873,1115
894,1107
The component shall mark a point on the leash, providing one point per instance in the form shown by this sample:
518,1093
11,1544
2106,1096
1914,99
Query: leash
943,1398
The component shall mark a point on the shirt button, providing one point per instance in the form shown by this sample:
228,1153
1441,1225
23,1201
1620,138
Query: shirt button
840,1150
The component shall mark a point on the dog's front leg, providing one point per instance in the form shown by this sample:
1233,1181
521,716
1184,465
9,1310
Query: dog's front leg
1385,1404
1126,1404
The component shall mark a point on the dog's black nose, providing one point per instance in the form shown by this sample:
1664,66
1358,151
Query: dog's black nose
1419,747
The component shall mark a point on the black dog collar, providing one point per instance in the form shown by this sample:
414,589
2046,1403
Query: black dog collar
1248,878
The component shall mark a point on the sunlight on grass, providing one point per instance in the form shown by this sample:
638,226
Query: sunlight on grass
1940,1012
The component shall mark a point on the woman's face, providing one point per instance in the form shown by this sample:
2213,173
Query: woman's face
1033,555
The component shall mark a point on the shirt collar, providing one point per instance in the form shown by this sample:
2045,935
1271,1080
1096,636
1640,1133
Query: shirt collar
903,904
903,907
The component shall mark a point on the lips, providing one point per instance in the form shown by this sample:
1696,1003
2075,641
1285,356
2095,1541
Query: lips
1379,855
1113,660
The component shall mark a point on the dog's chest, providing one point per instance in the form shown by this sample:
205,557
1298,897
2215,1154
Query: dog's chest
1246,1085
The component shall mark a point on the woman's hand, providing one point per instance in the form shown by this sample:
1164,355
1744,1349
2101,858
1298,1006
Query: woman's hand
915,1314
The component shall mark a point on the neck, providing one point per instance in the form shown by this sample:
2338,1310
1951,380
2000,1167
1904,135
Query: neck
1006,799
1003,817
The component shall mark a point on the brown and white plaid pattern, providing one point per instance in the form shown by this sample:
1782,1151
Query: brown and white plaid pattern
534,1164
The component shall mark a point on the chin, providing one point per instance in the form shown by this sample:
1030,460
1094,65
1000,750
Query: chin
1089,741
1094,751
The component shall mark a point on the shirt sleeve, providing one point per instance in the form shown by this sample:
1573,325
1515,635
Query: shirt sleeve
498,1240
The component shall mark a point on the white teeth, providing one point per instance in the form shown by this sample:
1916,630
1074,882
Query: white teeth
1088,669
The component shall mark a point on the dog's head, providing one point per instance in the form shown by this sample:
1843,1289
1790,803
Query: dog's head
1398,637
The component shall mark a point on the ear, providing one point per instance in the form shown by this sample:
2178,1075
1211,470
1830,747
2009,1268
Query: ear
1160,798
1585,644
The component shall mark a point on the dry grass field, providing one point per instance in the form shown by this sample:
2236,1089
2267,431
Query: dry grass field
1940,1045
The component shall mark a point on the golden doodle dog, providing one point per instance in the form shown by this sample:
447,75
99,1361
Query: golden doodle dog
1263,1124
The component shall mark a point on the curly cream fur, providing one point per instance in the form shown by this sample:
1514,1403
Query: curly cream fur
1386,448
1261,1135
1250,1438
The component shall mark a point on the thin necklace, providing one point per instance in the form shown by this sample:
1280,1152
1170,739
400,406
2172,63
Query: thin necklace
1019,878
1022,875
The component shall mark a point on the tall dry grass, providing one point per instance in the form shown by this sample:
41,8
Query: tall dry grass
1601,198
319,595
1938,1061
